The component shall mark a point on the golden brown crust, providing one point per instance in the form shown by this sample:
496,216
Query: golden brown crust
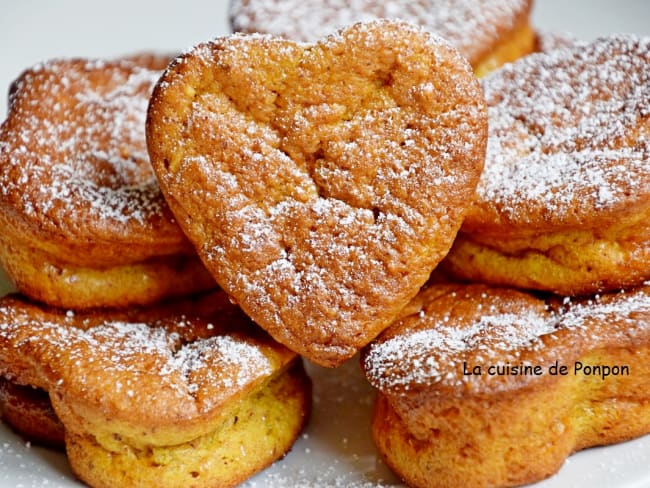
503,449
156,380
29,412
512,45
78,192
439,418
479,29
267,153
575,262
105,362
49,278
253,434
564,200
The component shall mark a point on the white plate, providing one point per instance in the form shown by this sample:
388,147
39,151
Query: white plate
336,450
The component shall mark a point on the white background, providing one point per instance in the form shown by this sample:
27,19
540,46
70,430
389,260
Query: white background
34,30
336,450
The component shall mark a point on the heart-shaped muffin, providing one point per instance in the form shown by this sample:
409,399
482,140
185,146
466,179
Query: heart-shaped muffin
482,386
320,183
183,394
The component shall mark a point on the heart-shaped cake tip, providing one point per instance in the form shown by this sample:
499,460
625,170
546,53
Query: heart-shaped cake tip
320,183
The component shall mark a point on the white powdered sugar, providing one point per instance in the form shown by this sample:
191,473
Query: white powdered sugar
73,148
242,360
385,363
626,306
569,132
131,353
470,25
435,353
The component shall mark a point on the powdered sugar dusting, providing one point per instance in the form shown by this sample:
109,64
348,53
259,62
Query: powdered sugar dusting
221,353
161,359
627,306
569,132
329,478
435,347
470,25
73,148
491,333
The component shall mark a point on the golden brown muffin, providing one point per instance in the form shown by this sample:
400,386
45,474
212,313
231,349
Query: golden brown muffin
320,183
83,221
492,387
564,202
189,394
28,411
488,33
